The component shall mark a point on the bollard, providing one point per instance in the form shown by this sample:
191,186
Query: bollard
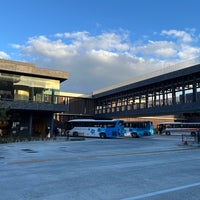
185,140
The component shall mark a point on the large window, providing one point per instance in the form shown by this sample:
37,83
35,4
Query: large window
27,88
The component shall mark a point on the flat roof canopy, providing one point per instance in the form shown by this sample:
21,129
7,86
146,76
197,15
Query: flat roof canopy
27,69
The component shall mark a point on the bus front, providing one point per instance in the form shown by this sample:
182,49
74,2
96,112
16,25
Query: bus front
118,129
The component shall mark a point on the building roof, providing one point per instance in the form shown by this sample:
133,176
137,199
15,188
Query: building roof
172,71
28,69
70,94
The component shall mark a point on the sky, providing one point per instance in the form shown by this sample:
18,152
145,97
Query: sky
99,42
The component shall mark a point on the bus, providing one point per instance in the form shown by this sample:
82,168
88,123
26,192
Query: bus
138,128
95,128
179,128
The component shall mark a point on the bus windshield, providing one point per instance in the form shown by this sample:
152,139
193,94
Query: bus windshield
95,128
139,128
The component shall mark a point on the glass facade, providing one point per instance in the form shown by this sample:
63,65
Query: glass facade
28,88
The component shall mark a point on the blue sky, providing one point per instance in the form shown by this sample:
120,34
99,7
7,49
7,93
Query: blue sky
99,42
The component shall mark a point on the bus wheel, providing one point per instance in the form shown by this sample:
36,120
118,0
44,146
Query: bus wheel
134,135
75,134
168,133
193,133
102,135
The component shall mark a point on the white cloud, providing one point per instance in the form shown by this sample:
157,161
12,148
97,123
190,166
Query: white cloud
162,49
97,61
188,52
103,56
4,55
42,46
182,35
166,52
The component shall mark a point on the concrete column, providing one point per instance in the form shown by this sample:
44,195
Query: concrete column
194,91
154,100
163,92
52,126
147,100
30,124
173,96
183,93
52,96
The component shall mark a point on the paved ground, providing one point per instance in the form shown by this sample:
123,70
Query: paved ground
153,168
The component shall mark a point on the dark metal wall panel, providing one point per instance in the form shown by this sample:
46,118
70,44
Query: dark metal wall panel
169,94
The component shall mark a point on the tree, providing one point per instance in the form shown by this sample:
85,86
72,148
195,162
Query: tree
4,118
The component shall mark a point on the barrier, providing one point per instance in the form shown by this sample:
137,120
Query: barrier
191,139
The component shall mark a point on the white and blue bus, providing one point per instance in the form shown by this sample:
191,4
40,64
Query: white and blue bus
95,128
138,128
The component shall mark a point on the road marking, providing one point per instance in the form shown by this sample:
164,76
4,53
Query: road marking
98,156
162,191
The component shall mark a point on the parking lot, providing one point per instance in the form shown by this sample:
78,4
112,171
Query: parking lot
154,168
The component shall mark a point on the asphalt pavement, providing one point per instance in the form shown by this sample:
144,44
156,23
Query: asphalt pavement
152,168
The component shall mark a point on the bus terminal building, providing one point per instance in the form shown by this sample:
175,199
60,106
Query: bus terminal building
34,100
32,96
